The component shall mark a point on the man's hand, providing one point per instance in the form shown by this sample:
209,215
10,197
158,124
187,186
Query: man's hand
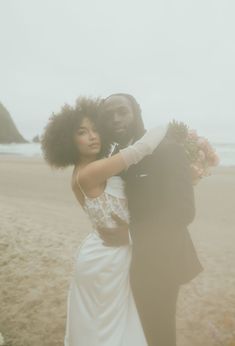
117,236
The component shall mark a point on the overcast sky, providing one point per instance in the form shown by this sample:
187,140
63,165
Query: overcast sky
176,57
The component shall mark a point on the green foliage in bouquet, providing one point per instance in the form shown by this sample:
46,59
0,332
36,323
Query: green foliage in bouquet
177,131
180,133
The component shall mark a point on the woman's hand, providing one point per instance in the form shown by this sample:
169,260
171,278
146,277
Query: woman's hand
117,236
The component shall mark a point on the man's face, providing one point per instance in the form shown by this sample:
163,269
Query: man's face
117,118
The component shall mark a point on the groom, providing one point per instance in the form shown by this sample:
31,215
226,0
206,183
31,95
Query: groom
161,203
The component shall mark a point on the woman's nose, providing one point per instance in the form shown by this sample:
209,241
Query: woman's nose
93,134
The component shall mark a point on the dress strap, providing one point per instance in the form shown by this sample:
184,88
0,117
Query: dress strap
79,185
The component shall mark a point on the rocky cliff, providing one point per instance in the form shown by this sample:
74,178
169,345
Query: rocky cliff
8,130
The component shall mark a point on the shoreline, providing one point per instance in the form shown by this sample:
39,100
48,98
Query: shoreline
38,158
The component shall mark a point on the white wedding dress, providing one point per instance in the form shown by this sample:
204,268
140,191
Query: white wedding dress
100,309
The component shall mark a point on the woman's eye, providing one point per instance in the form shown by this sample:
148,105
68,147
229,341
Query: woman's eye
81,132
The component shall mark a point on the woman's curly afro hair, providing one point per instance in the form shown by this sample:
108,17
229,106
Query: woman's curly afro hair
58,146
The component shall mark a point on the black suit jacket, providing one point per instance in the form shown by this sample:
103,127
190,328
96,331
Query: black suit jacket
161,203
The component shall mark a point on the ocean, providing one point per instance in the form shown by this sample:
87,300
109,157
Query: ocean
25,149
225,151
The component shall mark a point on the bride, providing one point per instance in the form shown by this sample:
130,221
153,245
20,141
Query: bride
100,308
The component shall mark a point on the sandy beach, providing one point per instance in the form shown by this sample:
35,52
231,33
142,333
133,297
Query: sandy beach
42,225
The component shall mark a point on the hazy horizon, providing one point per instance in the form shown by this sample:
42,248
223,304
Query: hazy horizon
177,59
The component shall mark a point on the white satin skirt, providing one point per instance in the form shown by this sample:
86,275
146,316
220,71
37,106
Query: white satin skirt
100,308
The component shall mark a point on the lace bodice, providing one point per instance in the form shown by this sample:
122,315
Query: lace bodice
112,200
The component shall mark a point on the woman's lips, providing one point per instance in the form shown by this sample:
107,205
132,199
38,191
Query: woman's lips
94,145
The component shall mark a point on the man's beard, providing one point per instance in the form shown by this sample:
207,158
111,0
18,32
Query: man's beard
123,137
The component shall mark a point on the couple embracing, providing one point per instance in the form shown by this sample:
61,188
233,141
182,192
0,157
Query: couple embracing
136,187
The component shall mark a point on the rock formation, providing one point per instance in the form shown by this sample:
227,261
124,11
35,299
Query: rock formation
8,130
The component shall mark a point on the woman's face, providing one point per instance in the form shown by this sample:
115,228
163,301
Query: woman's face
87,140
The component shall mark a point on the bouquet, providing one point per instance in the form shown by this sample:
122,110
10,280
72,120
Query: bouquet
200,153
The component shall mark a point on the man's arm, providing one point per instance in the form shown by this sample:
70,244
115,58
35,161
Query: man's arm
178,205
117,236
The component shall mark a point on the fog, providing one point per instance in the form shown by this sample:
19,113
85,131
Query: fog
176,57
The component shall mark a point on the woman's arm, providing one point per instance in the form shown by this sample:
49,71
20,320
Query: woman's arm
97,172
